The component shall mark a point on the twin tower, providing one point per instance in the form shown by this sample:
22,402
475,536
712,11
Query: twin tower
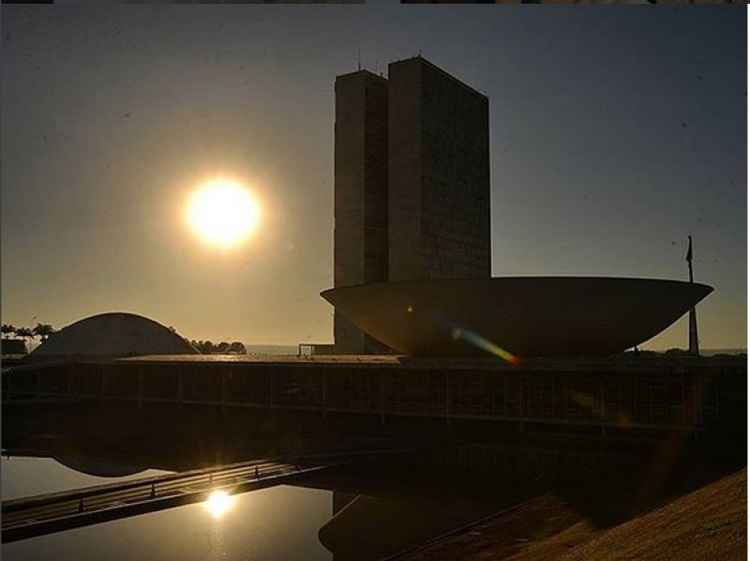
412,182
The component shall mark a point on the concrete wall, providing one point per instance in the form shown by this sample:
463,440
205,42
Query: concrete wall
662,393
438,175
361,193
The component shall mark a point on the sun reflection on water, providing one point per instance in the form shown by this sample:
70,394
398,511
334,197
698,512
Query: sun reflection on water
218,503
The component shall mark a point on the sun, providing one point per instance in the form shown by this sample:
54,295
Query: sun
222,213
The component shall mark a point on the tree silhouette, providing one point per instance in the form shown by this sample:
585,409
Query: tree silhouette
207,347
24,333
237,348
43,331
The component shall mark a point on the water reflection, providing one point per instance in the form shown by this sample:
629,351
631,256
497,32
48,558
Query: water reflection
277,524
361,513
372,527
26,475
345,516
218,503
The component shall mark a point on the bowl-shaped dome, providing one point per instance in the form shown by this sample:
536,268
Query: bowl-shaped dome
526,316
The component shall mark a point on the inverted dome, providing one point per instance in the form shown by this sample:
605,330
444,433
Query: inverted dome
526,316
113,335
99,467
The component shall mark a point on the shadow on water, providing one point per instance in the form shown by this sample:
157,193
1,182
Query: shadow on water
454,476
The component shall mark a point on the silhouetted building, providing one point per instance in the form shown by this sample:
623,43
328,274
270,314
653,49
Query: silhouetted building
113,335
411,182
517,316
361,194
438,175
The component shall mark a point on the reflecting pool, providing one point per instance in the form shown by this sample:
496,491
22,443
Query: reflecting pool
23,476
276,524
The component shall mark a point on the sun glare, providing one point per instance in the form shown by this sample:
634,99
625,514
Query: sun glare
223,213
218,503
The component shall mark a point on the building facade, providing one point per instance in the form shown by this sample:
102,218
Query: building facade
438,175
361,194
412,197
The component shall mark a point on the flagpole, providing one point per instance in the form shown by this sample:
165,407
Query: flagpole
693,327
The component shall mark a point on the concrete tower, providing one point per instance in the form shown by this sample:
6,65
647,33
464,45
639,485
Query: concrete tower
412,182
361,194
438,175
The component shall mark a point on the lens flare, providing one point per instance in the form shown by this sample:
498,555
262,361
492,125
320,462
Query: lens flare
223,213
482,343
218,503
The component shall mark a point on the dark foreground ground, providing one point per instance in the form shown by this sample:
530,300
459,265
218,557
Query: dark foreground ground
707,524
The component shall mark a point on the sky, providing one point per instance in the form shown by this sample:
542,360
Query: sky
612,137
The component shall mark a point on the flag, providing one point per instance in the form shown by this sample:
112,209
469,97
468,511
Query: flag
689,256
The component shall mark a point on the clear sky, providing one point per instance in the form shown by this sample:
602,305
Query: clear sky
615,132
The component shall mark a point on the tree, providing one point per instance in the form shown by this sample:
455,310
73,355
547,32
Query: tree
24,333
205,347
43,331
7,329
237,348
